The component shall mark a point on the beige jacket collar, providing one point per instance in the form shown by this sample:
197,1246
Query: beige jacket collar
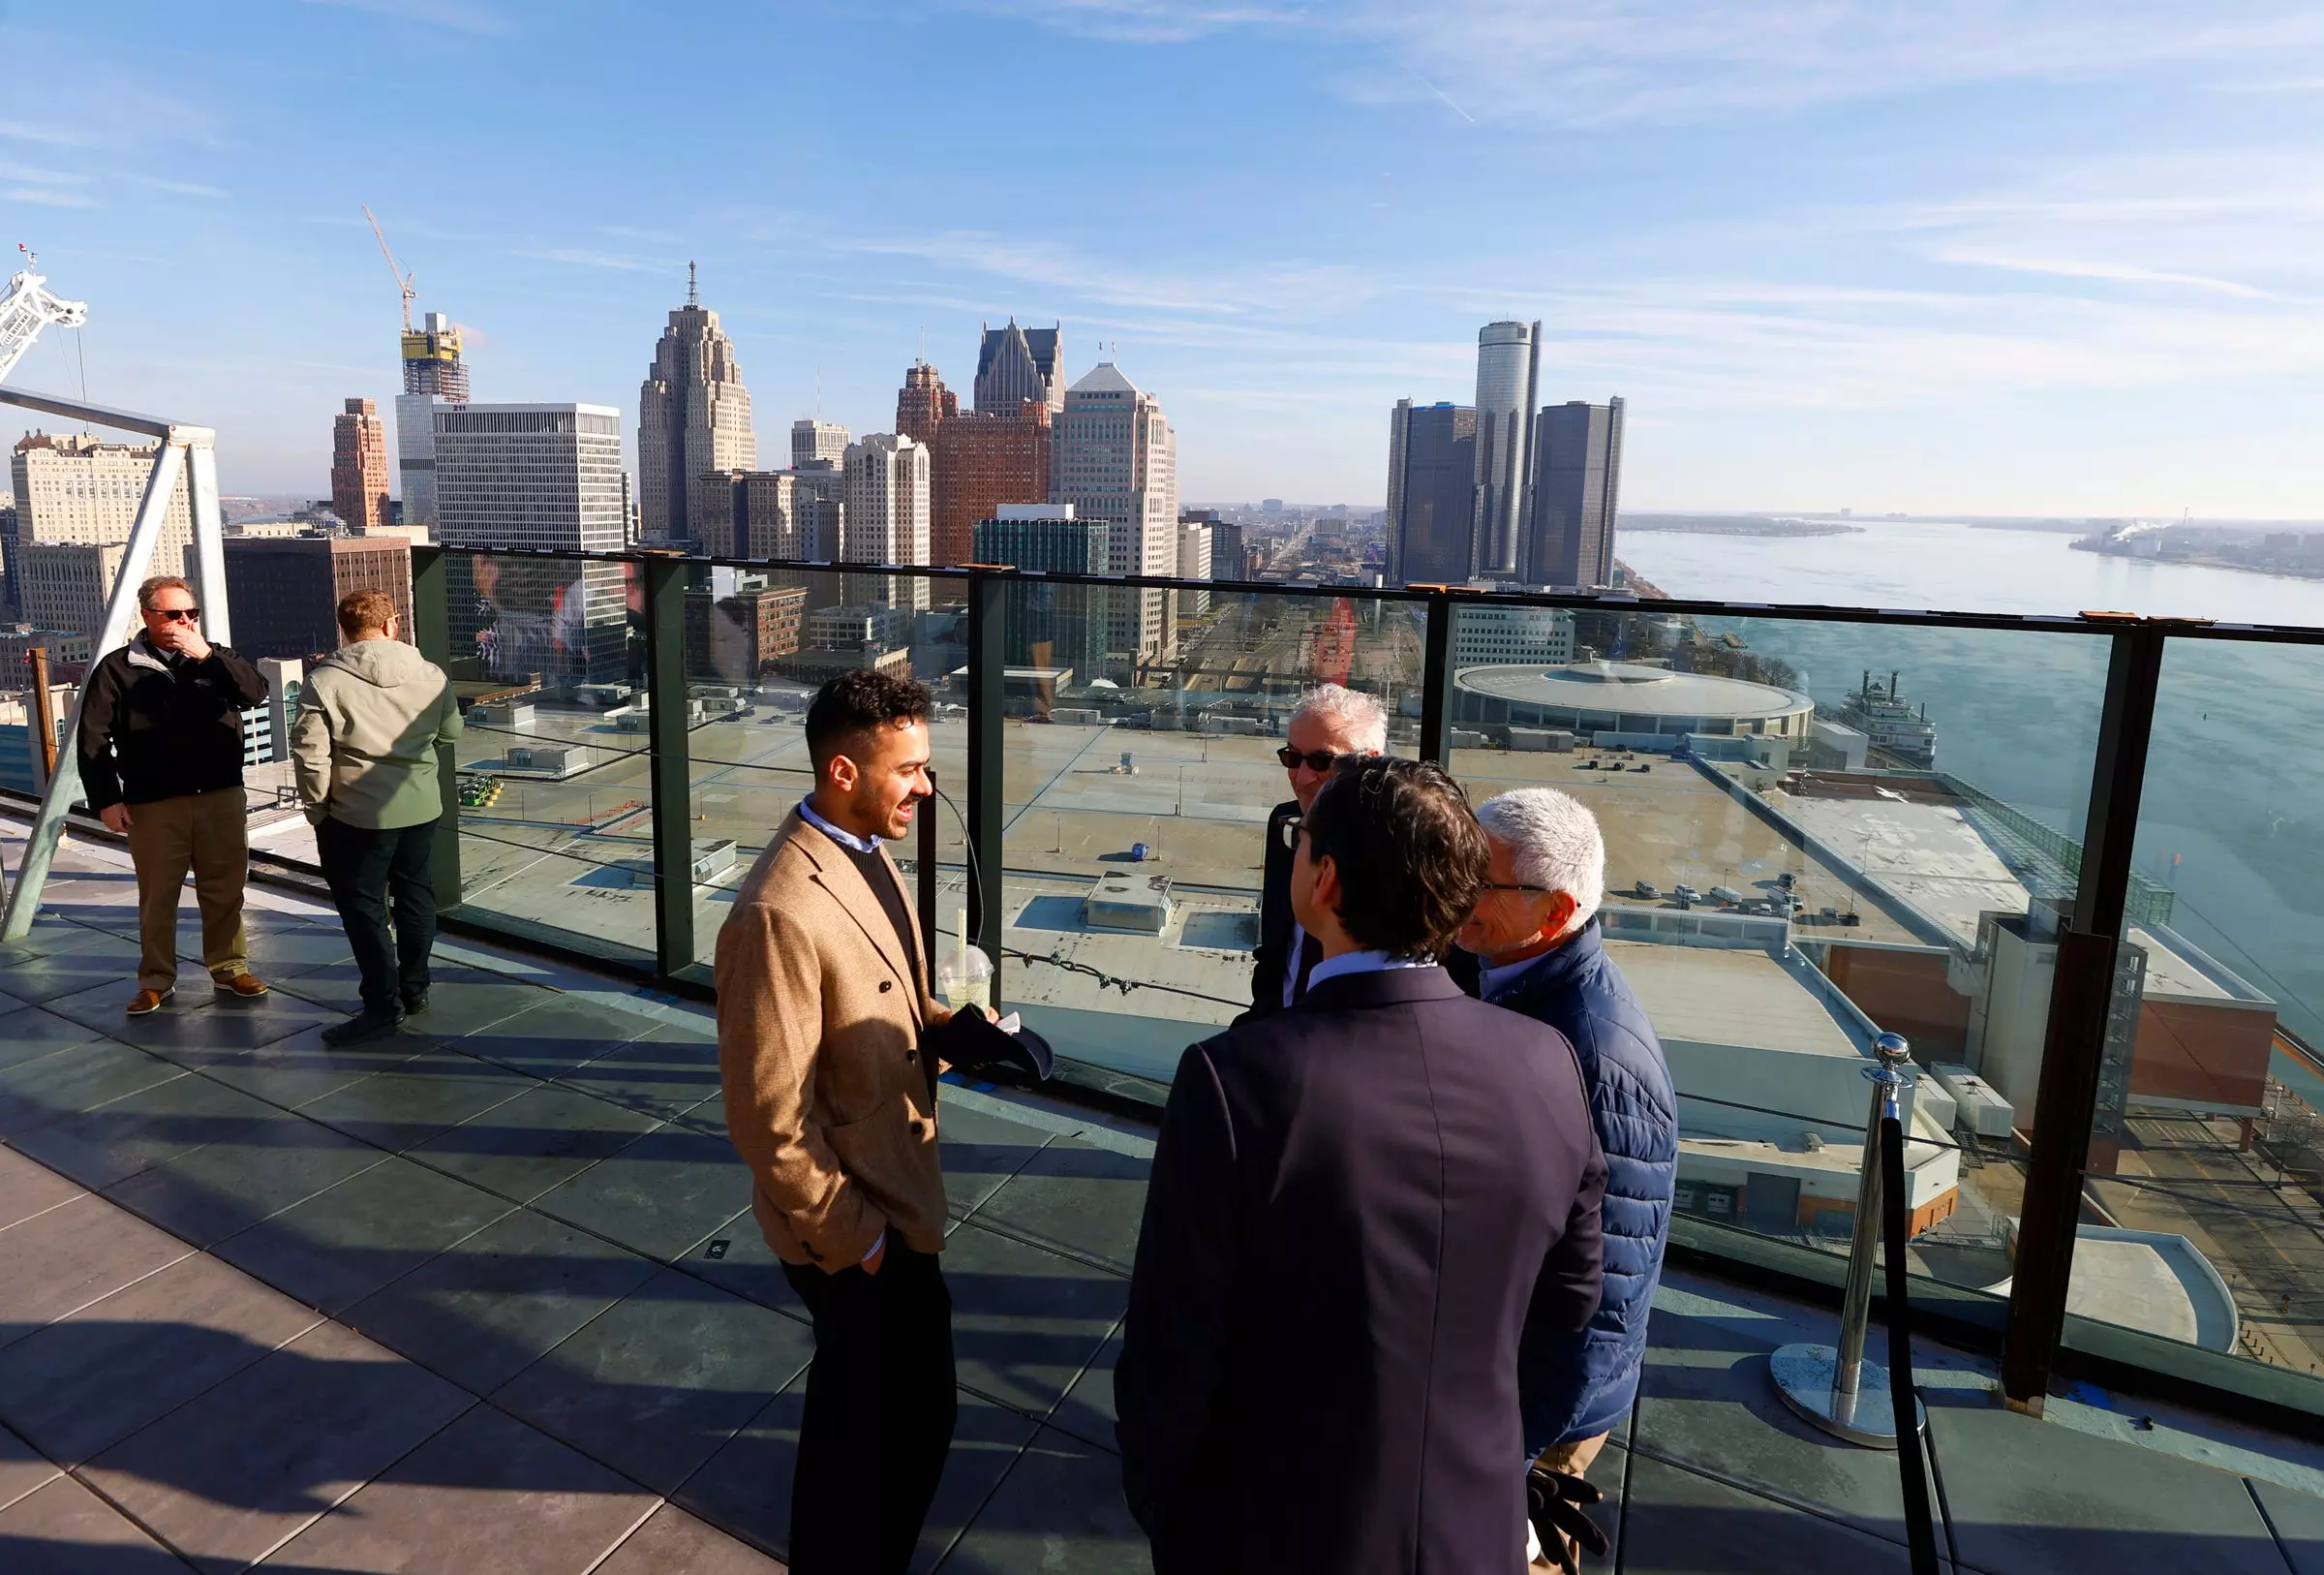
836,874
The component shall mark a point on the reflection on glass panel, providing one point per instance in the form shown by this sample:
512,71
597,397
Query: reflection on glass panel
758,643
2203,1220
556,826
1140,774
1814,833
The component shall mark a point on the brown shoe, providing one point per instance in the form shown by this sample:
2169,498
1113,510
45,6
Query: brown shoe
148,1001
242,986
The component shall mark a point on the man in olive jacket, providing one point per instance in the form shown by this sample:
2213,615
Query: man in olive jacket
373,715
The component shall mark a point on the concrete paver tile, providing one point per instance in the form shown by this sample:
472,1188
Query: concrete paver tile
63,1529
28,1033
1026,1320
115,1140
405,1104
1679,1521
659,1194
70,1257
528,1145
1075,1197
35,1093
23,1467
1059,1507
214,1192
341,1245
676,1543
28,1187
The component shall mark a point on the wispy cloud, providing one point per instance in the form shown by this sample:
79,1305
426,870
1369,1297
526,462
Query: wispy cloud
581,258
458,16
46,136
49,196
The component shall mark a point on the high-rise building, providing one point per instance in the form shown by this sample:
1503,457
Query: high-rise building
64,584
434,375
751,515
359,467
1047,625
1115,458
736,638
813,440
1485,636
1015,364
977,461
1508,371
693,416
549,477
887,518
285,593
1576,489
72,490
1431,493
1194,563
1227,560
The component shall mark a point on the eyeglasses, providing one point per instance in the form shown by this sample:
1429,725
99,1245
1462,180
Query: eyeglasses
1314,759
176,615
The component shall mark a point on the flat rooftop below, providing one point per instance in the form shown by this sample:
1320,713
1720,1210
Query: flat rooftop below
1709,995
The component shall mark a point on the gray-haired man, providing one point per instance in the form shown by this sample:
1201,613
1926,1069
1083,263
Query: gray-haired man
1330,722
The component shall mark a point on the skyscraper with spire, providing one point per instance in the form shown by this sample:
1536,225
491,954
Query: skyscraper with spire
694,418
1015,364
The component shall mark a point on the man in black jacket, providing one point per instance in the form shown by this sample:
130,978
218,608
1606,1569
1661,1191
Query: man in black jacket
161,763
1330,722
1353,1203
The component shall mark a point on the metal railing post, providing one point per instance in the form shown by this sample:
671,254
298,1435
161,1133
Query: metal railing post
432,635
1436,677
2074,1045
987,654
667,762
1833,1386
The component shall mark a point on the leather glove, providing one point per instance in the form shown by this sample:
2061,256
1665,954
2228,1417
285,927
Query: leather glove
1553,1502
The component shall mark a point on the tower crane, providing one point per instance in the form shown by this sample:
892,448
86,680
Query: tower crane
26,308
402,280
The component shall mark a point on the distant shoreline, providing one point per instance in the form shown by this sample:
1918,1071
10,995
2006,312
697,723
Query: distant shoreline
1734,525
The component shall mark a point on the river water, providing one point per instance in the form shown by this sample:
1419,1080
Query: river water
2232,818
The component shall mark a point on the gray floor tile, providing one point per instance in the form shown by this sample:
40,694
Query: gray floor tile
746,1485
337,986
488,1307
2298,1520
36,1093
27,1189
1087,1409
665,1071
213,1193
293,1071
1679,1523
2026,1496
466,1005
28,1033
63,1529
675,1543
743,1264
980,1151
54,937
22,1469
1059,1507
341,1245
1075,1197
279,952
43,979
417,1099
658,1384
87,1381
197,1019
1026,1320
115,1140
237,1471
659,1195
487,1493
72,1256
557,1035
543,1136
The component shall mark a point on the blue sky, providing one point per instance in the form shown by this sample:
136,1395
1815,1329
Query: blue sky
2052,256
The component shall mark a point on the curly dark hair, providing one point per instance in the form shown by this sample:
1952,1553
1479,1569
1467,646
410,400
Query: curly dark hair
850,706
1411,856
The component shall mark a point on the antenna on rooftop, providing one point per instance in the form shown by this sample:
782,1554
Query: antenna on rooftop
692,298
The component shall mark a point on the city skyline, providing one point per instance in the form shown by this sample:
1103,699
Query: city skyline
2043,263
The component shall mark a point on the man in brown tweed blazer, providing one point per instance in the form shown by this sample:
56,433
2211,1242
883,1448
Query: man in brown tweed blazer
823,1001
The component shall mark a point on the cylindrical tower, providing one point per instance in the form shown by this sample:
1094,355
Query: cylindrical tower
1507,369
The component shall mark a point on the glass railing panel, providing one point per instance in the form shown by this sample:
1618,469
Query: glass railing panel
2204,1207
1140,772
547,655
1813,831
759,642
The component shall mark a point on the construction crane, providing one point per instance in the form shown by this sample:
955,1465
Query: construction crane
27,308
402,280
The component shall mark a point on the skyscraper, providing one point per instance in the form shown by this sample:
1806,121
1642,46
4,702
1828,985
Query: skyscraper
1576,489
434,376
286,592
1050,626
1507,369
1115,458
1431,493
813,440
359,467
887,518
977,461
1014,364
693,416
73,489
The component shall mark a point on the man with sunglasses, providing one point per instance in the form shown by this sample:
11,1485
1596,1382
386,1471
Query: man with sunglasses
1534,928
1330,722
161,763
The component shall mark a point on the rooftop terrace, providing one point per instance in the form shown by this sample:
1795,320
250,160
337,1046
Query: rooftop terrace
487,1297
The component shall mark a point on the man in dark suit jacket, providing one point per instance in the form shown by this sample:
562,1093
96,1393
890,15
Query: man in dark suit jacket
1330,723
1354,1205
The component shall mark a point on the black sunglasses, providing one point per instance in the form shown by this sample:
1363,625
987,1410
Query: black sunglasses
177,615
1314,759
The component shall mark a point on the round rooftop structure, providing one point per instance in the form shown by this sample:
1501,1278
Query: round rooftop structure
1628,697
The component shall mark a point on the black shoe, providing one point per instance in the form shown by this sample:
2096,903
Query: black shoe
414,1005
361,1029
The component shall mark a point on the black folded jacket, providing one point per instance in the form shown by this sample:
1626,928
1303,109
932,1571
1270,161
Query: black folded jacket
965,1040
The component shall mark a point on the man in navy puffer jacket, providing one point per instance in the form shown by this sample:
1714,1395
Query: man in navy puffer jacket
1536,931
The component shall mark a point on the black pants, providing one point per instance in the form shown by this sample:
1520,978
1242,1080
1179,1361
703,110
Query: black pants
368,872
881,1407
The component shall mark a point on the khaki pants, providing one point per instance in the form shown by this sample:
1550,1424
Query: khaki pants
1574,1459
206,833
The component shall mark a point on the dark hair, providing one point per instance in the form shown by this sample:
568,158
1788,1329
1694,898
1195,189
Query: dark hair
854,704
1411,856
359,610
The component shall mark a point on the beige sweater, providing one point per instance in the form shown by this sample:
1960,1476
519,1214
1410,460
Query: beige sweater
365,743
